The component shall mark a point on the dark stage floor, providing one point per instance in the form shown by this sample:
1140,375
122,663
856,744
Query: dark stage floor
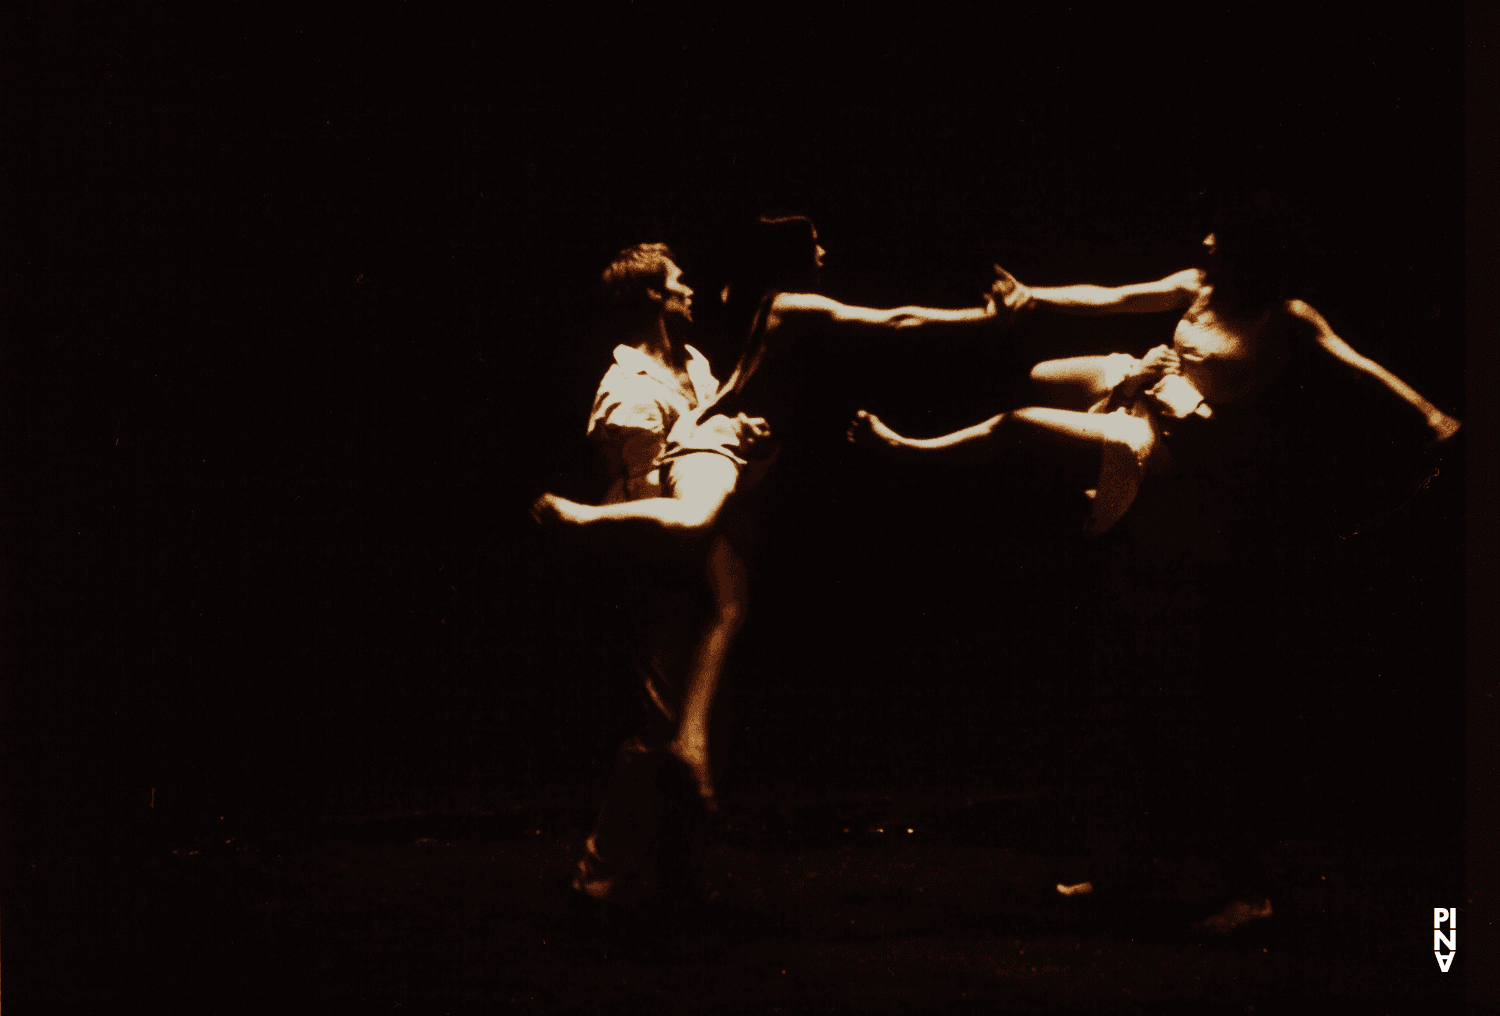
929,900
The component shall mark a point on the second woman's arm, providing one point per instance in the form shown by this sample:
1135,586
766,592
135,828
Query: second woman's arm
1443,426
1175,292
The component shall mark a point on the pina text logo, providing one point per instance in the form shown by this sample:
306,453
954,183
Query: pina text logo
1441,916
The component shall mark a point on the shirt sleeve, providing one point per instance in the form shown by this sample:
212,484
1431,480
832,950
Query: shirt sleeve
633,429
717,435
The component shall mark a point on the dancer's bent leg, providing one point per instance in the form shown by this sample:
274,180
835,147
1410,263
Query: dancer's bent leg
867,428
726,577
1077,382
1127,442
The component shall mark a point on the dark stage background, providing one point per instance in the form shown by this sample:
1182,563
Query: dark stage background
301,319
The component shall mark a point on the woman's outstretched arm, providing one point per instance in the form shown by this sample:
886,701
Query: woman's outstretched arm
813,308
1175,292
1443,425
1007,298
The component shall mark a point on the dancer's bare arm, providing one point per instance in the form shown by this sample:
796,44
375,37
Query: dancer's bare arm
1175,292
1443,425
790,308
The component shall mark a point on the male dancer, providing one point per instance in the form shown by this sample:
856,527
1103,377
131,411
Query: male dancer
686,485
652,392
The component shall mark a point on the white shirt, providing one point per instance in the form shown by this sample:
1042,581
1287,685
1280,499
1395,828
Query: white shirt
637,406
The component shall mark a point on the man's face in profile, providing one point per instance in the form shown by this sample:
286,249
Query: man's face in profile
677,302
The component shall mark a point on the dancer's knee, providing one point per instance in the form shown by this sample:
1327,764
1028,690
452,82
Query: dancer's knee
1070,371
730,614
1128,433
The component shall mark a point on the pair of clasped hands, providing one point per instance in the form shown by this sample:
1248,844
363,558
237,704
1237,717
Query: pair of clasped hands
1173,394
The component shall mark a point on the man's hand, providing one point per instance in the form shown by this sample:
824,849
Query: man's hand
1158,363
1007,296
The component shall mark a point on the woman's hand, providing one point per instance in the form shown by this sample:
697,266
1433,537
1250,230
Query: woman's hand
752,429
1443,426
1007,296
549,509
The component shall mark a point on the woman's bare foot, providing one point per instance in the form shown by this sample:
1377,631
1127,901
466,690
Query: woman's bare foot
1233,916
694,755
866,429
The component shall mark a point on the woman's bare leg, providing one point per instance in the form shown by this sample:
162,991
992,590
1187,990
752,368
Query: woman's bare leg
726,576
1079,381
1118,428
866,428
1089,427
1127,442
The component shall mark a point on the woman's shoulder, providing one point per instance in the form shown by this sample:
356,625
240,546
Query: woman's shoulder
1301,309
1304,316
1191,280
795,311
1196,289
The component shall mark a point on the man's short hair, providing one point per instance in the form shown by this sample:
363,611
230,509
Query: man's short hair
629,282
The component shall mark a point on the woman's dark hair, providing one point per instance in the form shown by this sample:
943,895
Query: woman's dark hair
1255,249
783,252
774,255
629,282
